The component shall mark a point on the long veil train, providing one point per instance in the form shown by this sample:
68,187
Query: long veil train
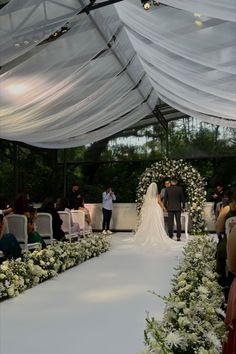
151,230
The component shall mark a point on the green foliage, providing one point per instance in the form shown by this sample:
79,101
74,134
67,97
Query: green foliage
185,174
192,321
118,161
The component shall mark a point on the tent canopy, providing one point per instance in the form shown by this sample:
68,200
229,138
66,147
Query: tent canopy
112,67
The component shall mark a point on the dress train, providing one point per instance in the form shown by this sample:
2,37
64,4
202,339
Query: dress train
151,231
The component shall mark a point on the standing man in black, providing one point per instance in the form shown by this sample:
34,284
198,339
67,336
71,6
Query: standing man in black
72,195
174,203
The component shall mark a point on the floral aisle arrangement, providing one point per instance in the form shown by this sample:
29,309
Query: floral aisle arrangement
38,266
182,171
193,316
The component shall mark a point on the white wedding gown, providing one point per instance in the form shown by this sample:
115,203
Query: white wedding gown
151,230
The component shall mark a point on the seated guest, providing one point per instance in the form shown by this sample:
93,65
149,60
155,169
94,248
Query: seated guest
61,206
217,197
230,319
5,205
226,212
48,207
8,243
80,206
226,198
21,207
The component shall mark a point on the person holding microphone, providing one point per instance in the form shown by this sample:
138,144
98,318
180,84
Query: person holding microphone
107,199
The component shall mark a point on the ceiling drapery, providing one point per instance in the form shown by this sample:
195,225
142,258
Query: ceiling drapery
24,24
108,71
191,67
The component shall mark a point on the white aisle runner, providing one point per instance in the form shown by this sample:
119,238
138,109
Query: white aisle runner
98,307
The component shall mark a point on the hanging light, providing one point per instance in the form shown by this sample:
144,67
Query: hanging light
197,14
198,23
146,5
198,19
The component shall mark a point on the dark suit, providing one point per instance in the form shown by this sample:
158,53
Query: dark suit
72,199
174,202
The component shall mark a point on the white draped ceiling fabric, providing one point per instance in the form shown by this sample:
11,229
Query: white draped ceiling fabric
112,67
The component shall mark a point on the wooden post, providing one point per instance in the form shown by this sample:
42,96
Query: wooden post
15,168
167,140
64,172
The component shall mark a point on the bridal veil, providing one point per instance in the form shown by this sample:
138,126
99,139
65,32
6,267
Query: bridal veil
151,230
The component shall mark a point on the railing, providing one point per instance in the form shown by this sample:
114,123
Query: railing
124,216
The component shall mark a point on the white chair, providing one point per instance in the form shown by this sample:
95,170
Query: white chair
44,227
218,208
66,225
79,217
17,225
229,224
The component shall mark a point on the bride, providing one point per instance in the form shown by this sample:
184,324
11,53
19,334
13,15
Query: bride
151,230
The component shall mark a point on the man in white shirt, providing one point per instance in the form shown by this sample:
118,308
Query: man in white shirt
107,199
162,195
163,190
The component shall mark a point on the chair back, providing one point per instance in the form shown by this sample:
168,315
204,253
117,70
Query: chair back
44,226
17,225
66,221
79,217
66,225
229,224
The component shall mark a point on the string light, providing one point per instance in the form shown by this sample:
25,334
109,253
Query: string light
148,3
146,6
198,19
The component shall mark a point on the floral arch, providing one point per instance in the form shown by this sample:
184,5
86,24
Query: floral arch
183,172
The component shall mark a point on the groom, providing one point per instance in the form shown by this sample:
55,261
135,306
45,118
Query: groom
174,203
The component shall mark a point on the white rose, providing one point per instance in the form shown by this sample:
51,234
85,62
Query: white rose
10,291
182,283
36,280
5,266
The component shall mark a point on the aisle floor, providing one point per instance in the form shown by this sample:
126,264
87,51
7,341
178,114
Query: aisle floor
98,307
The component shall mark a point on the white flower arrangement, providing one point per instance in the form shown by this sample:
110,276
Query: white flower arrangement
192,321
195,188
38,266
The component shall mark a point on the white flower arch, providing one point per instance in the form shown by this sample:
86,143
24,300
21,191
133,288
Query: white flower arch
191,178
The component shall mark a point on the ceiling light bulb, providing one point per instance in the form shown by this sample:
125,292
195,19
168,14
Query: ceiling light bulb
198,23
146,6
197,14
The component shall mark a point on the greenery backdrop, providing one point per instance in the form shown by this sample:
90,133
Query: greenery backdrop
119,161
